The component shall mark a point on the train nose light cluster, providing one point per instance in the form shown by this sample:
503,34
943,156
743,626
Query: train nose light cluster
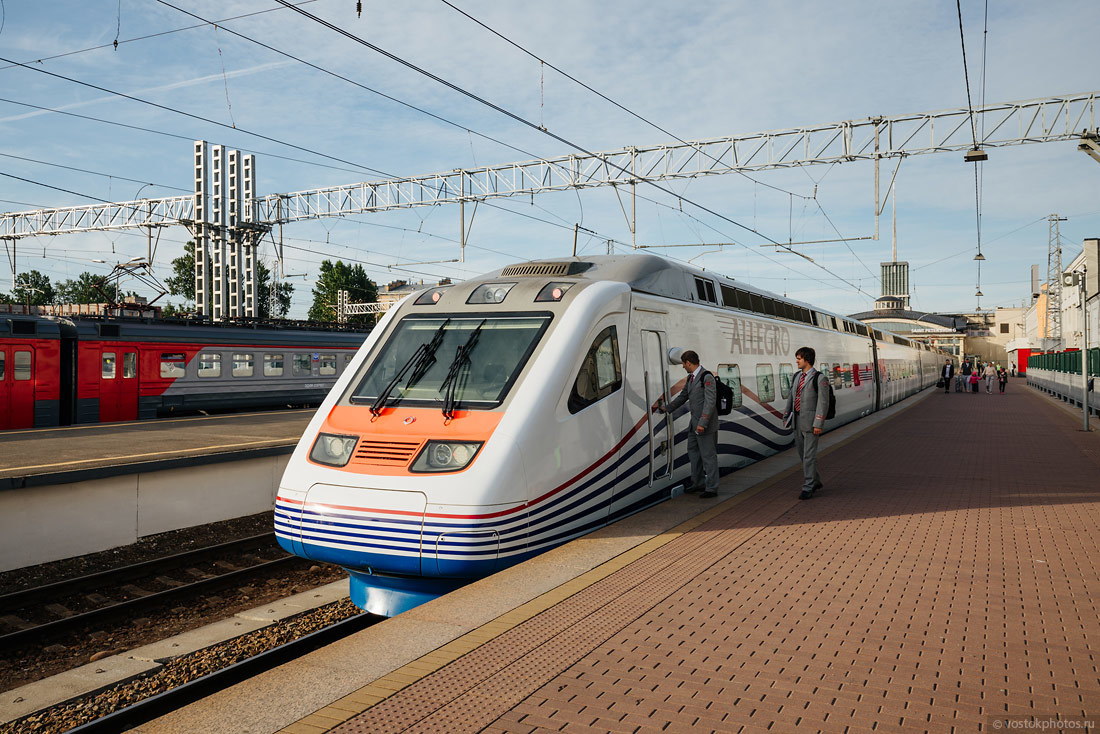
490,293
443,456
332,450
429,298
552,292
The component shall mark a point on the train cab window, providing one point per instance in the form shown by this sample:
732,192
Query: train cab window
210,364
243,365
730,375
129,365
601,373
21,366
765,383
705,290
273,365
173,364
302,364
328,364
786,376
108,365
847,375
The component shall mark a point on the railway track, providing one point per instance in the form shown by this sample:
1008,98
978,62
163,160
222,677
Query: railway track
44,612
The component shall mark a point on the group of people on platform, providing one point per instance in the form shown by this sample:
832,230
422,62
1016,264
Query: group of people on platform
969,375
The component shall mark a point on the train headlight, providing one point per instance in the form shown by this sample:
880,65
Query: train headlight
332,450
443,456
490,293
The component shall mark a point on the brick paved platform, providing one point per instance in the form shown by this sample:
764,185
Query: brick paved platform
945,580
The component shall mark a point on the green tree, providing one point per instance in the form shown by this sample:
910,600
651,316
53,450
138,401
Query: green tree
182,283
33,287
335,277
87,288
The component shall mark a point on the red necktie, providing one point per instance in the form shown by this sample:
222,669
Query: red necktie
798,392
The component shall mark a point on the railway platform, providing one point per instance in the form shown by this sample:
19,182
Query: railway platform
945,580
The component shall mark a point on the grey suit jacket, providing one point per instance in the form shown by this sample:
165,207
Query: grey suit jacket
814,403
701,397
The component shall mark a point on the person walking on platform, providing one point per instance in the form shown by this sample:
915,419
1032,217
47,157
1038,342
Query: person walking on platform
700,393
989,373
966,369
806,410
947,373
1002,378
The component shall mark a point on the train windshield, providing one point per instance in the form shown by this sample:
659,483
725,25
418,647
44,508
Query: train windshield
469,361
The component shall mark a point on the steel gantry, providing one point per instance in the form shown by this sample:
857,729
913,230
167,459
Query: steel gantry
1050,119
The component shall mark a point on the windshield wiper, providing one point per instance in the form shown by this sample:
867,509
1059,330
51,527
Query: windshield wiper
451,382
420,361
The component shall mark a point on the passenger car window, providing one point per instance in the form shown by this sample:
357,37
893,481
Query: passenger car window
730,374
838,377
21,366
328,364
129,365
786,375
173,365
302,365
847,375
273,365
2,365
210,364
600,374
107,369
765,383
243,365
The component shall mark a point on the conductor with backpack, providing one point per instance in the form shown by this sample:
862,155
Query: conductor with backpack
808,405
701,393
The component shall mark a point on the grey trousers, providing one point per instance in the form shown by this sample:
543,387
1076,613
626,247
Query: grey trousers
703,455
806,443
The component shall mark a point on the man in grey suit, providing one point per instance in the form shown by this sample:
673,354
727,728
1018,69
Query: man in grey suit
702,443
806,410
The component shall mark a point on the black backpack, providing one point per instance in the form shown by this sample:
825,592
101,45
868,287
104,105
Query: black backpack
832,396
723,395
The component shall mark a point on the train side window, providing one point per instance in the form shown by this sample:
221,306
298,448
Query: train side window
210,364
273,365
765,383
328,364
21,366
302,364
744,300
2,365
129,365
710,292
173,364
847,375
347,359
838,377
730,375
786,376
243,365
108,365
601,373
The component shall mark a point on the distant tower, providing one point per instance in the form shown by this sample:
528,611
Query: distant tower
895,281
1054,283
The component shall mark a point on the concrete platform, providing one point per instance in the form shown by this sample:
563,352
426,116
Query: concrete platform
40,456
946,580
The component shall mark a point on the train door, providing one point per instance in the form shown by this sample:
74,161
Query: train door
17,386
108,385
656,386
876,389
128,387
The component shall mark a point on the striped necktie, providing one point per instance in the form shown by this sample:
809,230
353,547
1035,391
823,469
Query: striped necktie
798,392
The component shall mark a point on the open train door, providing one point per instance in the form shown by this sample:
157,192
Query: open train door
5,390
656,386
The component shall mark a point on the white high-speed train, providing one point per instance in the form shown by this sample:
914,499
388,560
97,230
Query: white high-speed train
485,422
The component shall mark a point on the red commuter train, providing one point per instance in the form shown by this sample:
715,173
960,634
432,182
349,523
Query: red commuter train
59,371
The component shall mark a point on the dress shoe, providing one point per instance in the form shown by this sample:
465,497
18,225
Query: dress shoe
817,486
805,495
707,495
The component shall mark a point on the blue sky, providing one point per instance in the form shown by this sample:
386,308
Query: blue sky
699,70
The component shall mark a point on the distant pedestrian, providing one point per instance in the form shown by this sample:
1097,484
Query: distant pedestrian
990,374
947,373
1002,378
805,413
1013,369
700,392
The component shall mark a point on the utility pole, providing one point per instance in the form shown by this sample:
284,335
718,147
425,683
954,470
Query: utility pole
1054,283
